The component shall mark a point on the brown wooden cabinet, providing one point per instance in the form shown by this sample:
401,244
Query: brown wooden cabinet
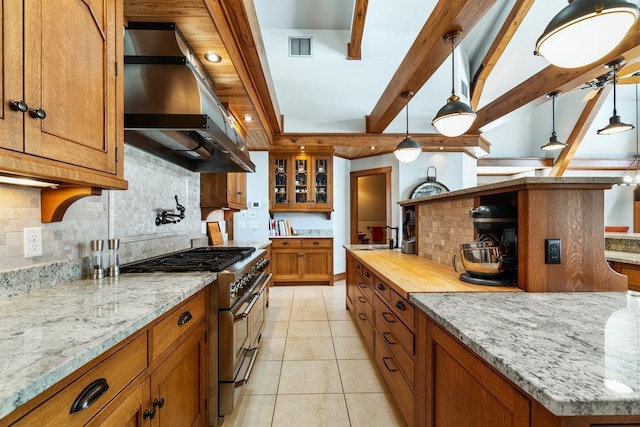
632,271
302,260
222,191
158,377
300,183
60,67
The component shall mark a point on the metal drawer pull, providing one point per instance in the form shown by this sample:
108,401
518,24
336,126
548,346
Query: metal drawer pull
389,320
184,318
362,300
149,413
316,243
158,403
384,360
362,285
400,305
362,316
381,286
384,336
38,113
89,395
19,106
366,274
285,243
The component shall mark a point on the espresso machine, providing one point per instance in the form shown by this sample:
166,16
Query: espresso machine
492,259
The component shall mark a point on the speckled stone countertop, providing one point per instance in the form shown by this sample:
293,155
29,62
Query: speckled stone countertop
49,333
626,257
575,353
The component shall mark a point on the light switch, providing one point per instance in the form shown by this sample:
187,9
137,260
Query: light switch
252,214
243,214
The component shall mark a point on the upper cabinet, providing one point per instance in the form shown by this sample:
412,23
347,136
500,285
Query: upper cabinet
300,183
226,191
61,114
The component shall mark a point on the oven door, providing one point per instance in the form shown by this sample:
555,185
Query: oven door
259,313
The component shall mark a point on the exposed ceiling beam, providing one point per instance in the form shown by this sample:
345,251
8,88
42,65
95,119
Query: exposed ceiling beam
511,24
600,164
425,56
585,120
533,91
519,162
354,47
475,145
238,28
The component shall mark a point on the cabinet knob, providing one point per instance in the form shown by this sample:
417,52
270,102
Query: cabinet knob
37,113
149,413
381,286
400,305
19,106
158,403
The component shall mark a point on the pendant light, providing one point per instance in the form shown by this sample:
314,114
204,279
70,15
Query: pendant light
632,176
407,150
456,117
585,31
615,124
553,143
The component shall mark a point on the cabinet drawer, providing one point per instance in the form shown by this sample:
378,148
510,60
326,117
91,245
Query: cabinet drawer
404,309
387,321
316,243
393,342
382,288
632,274
366,289
285,243
402,393
367,275
179,321
116,372
364,322
365,306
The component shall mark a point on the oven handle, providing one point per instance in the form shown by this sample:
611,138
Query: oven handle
240,316
247,373
265,284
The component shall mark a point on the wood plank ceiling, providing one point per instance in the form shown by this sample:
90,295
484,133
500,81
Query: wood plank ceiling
243,81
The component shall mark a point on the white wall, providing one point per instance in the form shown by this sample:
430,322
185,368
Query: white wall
257,191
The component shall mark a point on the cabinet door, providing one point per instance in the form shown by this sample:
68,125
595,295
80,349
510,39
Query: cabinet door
464,390
322,183
280,182
11,122
70,76
285,264
126,410
302,182
178,385
316,264
241,189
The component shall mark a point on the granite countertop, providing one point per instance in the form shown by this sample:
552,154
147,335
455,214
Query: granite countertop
626,257
49,333
575,353
297,236
258,244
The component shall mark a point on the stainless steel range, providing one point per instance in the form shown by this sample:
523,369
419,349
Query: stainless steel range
237,307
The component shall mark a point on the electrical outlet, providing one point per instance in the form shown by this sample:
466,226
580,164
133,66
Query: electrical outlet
32,242
242,224
552,251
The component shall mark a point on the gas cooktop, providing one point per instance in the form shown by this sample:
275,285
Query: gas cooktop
207,258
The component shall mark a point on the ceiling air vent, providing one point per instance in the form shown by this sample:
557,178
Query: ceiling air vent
300,46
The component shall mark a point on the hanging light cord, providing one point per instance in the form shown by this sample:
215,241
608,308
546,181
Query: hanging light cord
553,115
407,115
637,157
453,69
615,74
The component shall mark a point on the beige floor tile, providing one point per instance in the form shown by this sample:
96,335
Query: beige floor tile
334,302
309,376
278,314
308,292
343,328
275,329
350,348
281,291
309,349
360,376
271,348
264,378
252,410
309,328
308,314
280,302
372,409
338,313
308,303
311,410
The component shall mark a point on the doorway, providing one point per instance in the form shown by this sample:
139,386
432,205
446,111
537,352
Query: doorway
370,205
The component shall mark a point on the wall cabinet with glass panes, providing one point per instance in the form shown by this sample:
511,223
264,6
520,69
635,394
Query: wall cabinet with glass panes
300,182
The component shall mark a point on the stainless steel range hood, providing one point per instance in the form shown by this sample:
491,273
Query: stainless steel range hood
170,107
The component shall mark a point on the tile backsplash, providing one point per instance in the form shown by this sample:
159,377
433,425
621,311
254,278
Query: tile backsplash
128,215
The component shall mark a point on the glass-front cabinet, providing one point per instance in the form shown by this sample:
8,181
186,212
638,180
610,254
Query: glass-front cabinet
300,183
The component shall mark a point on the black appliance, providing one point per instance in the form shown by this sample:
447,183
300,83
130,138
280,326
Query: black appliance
493,258
237,311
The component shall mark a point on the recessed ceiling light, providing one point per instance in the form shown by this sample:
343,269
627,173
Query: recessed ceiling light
247,118
302,147
440,148
373,147
212,57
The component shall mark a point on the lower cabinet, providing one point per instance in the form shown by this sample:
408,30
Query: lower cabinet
302,261
141,382
632,271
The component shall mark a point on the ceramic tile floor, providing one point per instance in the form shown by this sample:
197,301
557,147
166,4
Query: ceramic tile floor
312,368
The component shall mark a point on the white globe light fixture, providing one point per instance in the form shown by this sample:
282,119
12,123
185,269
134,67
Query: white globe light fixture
585,31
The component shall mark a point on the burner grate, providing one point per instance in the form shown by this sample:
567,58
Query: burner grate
208,258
